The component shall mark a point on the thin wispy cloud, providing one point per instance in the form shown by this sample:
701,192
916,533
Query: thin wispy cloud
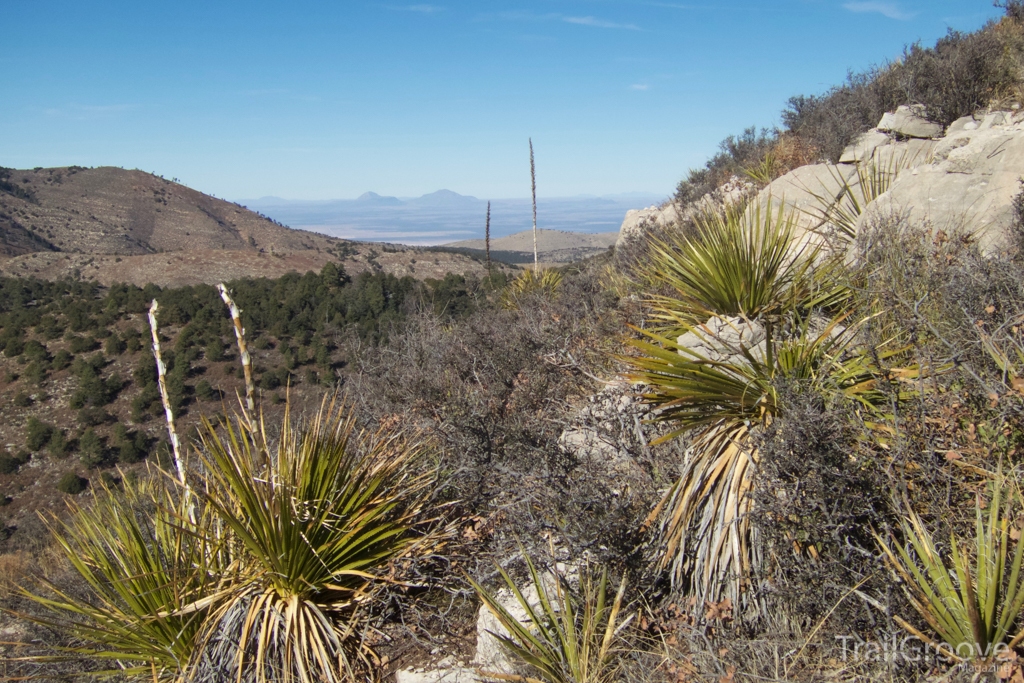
264,92
599,23
519,15
88,112
886,9
677,5
639,86
421,9
592,21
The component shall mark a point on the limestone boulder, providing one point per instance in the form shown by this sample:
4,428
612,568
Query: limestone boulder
638,221
491,655
909,122
864,147
803,193
724,338
967,184
608,433
442,674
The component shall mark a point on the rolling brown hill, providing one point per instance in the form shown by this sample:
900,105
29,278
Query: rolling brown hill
109,224
553,246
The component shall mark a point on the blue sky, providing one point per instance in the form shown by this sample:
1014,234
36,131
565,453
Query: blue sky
316,100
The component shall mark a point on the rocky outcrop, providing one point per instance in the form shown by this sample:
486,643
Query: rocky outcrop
491,656
607,433
639,221
801,193
964,181
909,122
447,671
722,339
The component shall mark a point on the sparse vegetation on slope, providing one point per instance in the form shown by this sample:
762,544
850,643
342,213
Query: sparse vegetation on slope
960,74
80,387
798,410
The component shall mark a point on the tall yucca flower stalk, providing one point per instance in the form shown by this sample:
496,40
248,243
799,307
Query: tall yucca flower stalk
161,378
487,237
318,517
533,194
243,350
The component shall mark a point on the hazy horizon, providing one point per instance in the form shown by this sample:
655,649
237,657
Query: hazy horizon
582,195
428,220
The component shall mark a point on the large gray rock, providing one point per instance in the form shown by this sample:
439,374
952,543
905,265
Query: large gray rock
491,655
909,121
964,181
638,221
897,157
967,185
607,433
725,338
864,147
803,192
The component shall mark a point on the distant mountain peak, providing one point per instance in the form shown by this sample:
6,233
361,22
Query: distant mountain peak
374,198
442,197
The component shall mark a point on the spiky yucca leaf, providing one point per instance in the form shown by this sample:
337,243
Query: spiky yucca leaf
745,263
694,391
529,282
704,526
567,638
842,209
320,514
974,602
145,566
764,171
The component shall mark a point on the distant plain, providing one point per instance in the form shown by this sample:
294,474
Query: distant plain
443,217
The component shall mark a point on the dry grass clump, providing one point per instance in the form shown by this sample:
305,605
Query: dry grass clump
940,294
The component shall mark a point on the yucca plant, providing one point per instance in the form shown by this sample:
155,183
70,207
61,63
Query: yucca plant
747,263
145,569
742,269
703,518
973,602
529,282
319,517
567,637
258,566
